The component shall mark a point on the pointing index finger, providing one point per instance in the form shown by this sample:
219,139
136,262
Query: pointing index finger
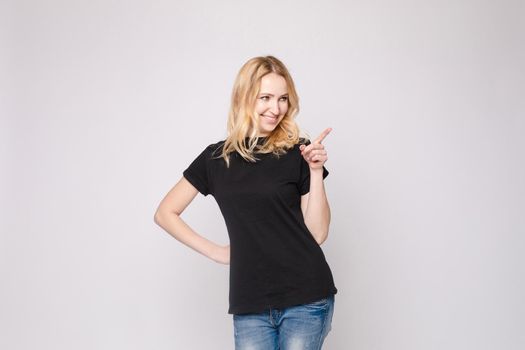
321,137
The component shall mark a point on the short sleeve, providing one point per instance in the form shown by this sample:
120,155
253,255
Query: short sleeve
304,181
197,172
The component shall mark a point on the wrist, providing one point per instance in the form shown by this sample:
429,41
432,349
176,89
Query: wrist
316,171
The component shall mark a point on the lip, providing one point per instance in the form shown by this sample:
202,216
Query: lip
271,119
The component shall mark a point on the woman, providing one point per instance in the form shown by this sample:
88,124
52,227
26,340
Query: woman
269,186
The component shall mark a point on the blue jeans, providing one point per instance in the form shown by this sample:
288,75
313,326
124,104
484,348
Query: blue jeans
301,327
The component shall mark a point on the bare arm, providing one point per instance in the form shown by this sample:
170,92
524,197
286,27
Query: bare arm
314,205
168,217
315,208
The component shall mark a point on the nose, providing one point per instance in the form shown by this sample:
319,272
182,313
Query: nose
274,107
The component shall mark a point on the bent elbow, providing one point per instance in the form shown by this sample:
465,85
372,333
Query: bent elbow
157,218
163,214
322,238
160,216
319,236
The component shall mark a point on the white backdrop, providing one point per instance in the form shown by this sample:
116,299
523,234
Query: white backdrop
105,103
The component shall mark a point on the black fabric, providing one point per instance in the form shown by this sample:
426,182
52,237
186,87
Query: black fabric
275,261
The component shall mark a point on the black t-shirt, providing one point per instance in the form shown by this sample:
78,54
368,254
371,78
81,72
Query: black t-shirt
275,262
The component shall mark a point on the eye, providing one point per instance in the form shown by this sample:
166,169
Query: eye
284,98
265,98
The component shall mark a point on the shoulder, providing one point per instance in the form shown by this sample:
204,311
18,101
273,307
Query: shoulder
302,141
214,149
216,144
294,152
210,152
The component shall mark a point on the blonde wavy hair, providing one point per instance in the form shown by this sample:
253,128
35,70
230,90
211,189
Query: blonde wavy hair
243,121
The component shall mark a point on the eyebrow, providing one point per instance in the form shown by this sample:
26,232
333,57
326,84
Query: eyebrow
266,93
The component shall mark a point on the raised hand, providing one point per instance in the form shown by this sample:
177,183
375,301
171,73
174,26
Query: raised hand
315,153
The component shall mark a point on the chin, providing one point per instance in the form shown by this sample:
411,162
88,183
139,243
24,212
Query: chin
266,132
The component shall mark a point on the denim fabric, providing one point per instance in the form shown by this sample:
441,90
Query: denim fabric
301,327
